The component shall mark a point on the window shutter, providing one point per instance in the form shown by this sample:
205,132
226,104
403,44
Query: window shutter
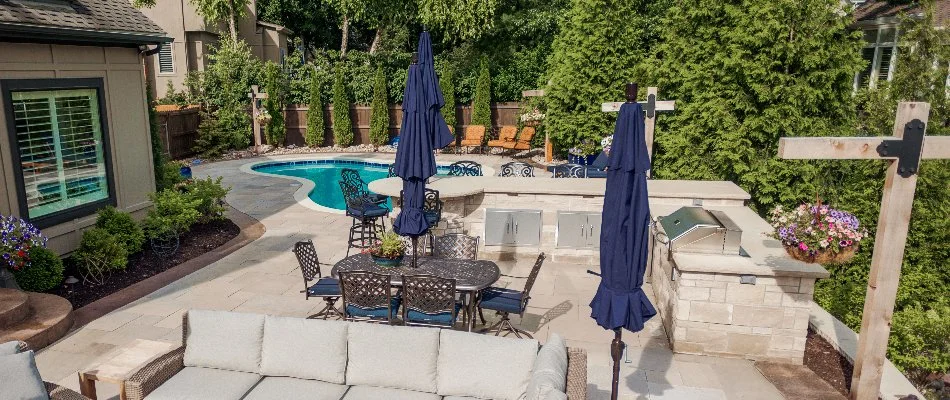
166,63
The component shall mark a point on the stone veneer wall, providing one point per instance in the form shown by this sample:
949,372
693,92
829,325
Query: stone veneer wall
714,314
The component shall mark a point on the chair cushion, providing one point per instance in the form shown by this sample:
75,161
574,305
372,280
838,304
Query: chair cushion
500,299
369,211
304,348
325,287
224,340
195,383
432,218
549,376
379,312
392,356
9,348
19,378
378,393
440,318
596,173
468,361
600,162
377,198
475,142
283,388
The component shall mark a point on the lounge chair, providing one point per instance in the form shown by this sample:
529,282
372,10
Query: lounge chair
505,137
474,136
524,140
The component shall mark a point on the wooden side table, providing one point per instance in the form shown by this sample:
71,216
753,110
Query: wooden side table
120,364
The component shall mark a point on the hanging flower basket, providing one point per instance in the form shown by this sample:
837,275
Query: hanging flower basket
817,233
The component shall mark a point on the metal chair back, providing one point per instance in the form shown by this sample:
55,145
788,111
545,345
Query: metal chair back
429,295
456,246
569,171
465,168
365,290
354,195
309,262
352,177
410,251
432,204
517,169
532,277
392,171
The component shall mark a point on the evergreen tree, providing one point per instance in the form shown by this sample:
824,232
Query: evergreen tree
447,83
481,103
379,118
745,75
342,125
595,52
274,131
315,124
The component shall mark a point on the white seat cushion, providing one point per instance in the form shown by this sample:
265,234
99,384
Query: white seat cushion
549,376
378,393
487,367
194,383
304,348
19,378
224,340
392,356
9,348
283,388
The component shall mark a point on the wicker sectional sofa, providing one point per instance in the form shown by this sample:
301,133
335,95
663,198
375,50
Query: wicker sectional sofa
227,355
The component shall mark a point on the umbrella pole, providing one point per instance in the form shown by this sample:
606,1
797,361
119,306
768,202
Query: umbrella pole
415,250
616,350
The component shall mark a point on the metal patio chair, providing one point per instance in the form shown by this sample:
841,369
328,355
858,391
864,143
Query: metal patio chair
465,168
367,296
507,301
326,287
569,171
368,217
517,169
352,177
429,301
455,245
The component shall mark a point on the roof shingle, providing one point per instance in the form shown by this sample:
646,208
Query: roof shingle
92,16
874,9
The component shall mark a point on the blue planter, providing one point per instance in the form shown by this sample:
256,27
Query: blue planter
387,262
185,172
582,160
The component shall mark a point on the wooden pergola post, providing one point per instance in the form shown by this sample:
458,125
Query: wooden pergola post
903,152
651,106
548,148
256,96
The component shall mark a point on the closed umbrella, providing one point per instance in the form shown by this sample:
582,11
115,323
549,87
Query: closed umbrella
620,302
434,101
414,159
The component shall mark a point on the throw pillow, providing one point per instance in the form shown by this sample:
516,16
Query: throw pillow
19,378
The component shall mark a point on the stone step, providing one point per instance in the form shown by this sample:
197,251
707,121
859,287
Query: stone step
13,307
50,318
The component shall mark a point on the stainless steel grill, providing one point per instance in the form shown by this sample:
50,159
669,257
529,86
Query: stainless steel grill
697,230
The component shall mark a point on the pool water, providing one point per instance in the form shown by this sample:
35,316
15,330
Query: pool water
325,174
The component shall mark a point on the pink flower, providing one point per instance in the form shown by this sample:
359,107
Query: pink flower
803,247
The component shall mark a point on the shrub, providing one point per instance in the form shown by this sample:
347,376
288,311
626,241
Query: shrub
44,272
158,151
209,195
379,119
447,83
920,341
225,128
173,97
315,124
123,227
168,175
173,211
481,104
274,104
342,126
99,254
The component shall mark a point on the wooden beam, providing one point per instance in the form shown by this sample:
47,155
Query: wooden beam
533,93
853,148
665,105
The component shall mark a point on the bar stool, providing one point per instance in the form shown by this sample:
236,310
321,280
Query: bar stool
368,217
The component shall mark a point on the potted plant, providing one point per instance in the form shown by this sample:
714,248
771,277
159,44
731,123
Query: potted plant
17,237
584,153
817,233
388,250
606,143
532,118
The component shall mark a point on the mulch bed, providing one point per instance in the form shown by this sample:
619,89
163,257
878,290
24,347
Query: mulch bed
828,363
201,239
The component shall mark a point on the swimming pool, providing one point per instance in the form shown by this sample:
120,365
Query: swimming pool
325,175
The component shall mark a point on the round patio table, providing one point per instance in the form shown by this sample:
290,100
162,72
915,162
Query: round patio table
470,275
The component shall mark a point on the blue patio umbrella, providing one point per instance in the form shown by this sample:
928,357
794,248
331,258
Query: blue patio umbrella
620,302
439,131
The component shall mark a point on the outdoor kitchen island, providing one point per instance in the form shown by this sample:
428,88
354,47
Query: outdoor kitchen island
750,303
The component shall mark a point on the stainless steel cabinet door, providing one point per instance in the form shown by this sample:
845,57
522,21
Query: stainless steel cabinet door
499,227
527,227
593,229
571,229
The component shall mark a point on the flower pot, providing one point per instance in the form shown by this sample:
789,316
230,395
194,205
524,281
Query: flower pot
532,123
7,280
387,262
185,172
822,257
582,160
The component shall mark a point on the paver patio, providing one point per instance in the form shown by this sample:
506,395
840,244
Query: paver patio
263,277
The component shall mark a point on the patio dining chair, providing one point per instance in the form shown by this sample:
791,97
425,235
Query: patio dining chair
325,287
517,169
352,177
429,301
368,296
506,302
431,209
423,242
368,217
569,171
457,246
465,168
392,171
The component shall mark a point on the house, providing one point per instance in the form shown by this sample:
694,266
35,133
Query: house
194,39
879,20
74,120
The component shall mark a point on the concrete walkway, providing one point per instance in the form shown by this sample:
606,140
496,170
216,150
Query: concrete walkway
263,277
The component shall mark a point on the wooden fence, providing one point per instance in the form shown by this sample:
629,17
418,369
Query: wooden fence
179,128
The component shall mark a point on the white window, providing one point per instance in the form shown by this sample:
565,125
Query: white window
880,53
166,60
61,149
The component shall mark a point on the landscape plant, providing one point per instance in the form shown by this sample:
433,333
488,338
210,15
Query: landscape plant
481,103
17,237
123,227
379,117
389,245
172,212
274,82
315,123
44,271
342,125
447,84
99,254
208,195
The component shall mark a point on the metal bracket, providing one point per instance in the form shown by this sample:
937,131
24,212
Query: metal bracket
907,150
651,106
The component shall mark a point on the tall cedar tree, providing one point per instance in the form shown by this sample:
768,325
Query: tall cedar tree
342,125
274,104
315,125
599,45
481,103
744,74
446,81
379,118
